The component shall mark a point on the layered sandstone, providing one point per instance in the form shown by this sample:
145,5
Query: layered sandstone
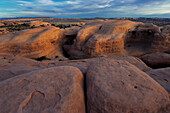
34,43
98,38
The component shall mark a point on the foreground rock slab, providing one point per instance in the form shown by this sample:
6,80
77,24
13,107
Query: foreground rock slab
52,90
119,87
162,76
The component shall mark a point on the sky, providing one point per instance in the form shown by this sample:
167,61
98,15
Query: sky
84,8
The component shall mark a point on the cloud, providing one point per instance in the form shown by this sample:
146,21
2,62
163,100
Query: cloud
91,8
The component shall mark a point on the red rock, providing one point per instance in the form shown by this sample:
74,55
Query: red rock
52,90
157,60
34,43
99,37
2,24
162,76
11,66
39,23
146,38
119,87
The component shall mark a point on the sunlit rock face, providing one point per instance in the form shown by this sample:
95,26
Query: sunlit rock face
34,43
39,23
99,38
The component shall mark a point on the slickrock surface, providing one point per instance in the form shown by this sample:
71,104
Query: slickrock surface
52,90
119,87
39,23
98,38
11,66
34,43
162,76
157,60
3,31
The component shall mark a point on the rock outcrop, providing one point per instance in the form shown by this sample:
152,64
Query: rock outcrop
3,31
2,24
162,76
98,38
52,90
119,87
166,30
39,23
157,60
34,43
146,38
11,66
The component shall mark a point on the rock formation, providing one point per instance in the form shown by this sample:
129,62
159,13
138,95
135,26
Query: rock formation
34,43
3,31
39,23
146,38
52,90
2,24
157,60
98,38
119,87
162,76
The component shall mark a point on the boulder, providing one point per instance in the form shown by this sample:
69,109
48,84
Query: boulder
157,60
83,64
162,76
52,90
119,87
133,60
45,42
99,38
39,23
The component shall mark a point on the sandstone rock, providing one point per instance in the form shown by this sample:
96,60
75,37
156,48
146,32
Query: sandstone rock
157,60
119,87
133,60
166,29
3,31
2,24
11,66
146,38
53,90
71,34
81,24
12,23
34,43
85,63
99,37
39,23
162,76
